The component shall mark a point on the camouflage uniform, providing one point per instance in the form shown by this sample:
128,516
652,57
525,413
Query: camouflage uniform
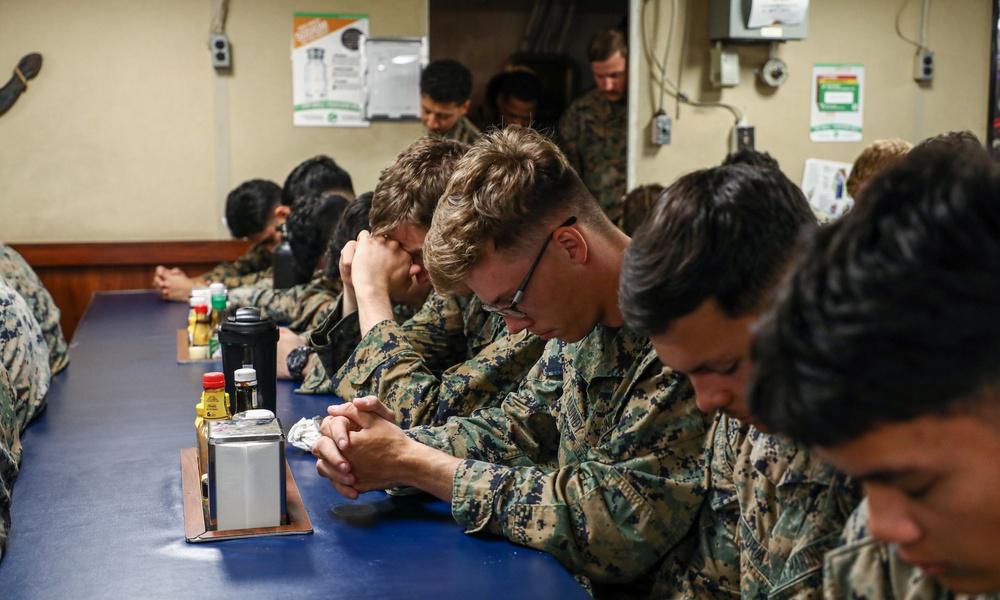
294,307
463,131
24,355
22,277
597,459
10,453
255,264
865,569
315,378
451,358
594,135
773,510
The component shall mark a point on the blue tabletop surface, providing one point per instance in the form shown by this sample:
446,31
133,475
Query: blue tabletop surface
98,510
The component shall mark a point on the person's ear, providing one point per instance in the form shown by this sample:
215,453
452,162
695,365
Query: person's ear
464,108
572,242
281,213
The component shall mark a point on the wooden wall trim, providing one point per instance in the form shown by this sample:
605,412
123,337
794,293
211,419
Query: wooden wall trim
72,272
131,253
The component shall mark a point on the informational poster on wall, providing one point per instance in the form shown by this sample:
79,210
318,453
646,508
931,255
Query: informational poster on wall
825,185
837,105
327,85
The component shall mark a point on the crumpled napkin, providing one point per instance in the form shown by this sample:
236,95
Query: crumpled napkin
305,433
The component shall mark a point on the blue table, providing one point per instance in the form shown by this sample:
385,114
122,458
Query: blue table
98,510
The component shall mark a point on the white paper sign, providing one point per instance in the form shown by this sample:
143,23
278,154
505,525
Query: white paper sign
837,103
327,88
825,185
764,13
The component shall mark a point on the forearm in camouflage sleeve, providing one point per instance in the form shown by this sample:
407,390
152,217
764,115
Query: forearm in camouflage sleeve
248,279
437,332
314,378
256,259
611,513
385,365
247,295
309,308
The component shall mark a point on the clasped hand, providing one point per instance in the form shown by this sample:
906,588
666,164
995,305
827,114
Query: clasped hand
361,448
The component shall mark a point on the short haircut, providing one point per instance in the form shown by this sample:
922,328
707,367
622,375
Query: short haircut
309,225
754,158
250,207
352,221
446,81
891,312
954,139
408,189
521,84
605,44
725,233
637,206
511,189
875,158
317,174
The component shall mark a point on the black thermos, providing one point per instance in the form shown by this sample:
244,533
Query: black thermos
286,271
250,339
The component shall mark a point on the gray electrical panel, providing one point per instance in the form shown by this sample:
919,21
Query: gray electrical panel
728,21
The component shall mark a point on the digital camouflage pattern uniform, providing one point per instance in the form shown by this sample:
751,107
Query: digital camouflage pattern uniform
23,278
315,378
594,133
597,459
24,355
463,131
451,358
865,569
773,510
10,453
295,307
255,264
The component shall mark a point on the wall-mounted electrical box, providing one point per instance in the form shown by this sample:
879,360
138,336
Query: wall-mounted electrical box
758,20
724,67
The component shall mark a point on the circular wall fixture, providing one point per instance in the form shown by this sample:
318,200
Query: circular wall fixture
775,72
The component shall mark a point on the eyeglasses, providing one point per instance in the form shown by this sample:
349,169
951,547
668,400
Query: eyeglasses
511,309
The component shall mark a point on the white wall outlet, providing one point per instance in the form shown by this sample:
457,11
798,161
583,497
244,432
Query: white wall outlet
222,57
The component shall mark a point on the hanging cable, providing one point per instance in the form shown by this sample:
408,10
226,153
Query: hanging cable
219,14
659,74
666,54
899,32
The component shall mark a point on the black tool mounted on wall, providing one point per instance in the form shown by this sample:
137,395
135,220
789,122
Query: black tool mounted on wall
26,69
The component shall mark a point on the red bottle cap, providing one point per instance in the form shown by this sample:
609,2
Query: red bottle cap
213,380
201,308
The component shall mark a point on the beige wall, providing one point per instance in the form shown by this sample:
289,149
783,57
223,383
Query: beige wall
840,31
129,134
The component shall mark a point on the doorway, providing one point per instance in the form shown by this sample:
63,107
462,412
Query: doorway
549,37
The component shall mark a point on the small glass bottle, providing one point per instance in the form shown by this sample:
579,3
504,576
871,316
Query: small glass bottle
202,333
246,389
215,406
218,298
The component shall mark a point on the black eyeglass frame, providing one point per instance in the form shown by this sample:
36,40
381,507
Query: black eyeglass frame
511,309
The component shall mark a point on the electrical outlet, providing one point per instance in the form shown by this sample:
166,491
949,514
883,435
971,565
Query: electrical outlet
660,128
743,138
222,57
923,65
